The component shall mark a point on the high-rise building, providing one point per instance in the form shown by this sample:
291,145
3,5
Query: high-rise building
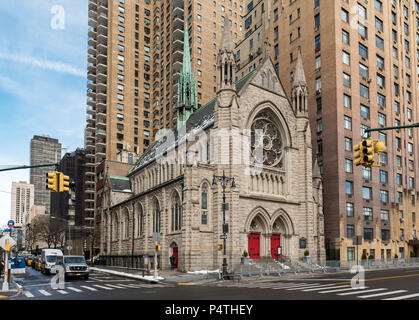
361,65
135,51
22,201
43,150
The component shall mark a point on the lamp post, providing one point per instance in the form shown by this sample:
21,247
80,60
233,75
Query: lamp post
224,180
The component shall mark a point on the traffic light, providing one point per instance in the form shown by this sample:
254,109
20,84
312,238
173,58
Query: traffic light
378,148
367,152
52,183
157,247
357,154
64,183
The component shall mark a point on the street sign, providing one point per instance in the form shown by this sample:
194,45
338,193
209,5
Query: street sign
223,236
221,217
69,248
10,224
279,250
156,236
7,239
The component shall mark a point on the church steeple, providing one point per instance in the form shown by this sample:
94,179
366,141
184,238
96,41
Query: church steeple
186,92
226,60
299,89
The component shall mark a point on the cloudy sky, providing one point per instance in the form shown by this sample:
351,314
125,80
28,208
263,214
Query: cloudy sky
43,57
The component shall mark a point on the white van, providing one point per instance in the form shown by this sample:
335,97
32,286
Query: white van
48,259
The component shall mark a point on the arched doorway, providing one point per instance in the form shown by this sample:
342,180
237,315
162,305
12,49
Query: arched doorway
256,237
175,253
282,232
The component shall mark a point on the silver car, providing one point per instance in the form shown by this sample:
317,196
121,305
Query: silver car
74,266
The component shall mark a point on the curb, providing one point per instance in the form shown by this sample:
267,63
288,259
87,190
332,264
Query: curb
122,274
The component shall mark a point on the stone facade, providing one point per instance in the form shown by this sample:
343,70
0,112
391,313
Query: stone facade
276,201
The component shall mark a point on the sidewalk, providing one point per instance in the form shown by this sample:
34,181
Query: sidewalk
13,289
168,276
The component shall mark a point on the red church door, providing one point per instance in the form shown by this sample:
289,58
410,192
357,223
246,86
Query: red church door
275,243
254,245
175,254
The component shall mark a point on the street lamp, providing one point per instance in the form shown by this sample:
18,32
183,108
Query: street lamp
224,180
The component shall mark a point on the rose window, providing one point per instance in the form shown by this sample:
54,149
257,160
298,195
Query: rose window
266,141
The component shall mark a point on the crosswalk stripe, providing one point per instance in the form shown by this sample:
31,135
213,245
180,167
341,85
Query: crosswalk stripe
296,287
125,285
310,286
74,289
281,285
381,294
28,294
114,286
366,291
107,288
330,287
88,288
45,293
404,297
340,290
62,291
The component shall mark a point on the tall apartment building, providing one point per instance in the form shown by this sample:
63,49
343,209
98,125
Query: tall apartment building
22,201
43,150
361,63
135,50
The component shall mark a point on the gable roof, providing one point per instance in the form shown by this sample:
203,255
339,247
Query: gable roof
201,119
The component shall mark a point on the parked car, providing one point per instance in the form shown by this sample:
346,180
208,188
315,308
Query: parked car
38,265
48,259
18,266
29,260
33,264
74,266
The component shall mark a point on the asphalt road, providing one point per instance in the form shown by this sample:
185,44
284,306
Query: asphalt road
400,284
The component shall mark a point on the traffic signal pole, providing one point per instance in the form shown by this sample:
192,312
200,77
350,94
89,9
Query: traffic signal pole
34,166
367,131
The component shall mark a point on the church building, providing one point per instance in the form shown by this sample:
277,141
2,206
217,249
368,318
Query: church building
255,136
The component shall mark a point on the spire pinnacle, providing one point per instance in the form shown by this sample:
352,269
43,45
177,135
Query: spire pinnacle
226,39
299,75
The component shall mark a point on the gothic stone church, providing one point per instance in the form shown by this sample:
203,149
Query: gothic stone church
278,205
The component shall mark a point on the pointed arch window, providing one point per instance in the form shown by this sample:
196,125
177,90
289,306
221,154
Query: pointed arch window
204,204
176,213
140,227
156,217
126,225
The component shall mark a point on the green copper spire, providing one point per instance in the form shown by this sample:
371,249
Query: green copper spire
186,91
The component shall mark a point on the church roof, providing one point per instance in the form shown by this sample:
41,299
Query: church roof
299,76
201,119
120,184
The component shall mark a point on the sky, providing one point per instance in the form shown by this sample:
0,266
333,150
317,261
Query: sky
43,61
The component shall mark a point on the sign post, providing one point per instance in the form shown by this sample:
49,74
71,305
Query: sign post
280,252
7,242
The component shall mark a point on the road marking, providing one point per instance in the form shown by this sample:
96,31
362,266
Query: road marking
404,297
310,286
62,291
340,290
88,288
96,285
330,287
299,286
28,294
381,294
45,293
186,283
114,286
385,278
366,291
280,285
74,289
3,297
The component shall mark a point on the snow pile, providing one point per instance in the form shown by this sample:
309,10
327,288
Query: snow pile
203,271
283,266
